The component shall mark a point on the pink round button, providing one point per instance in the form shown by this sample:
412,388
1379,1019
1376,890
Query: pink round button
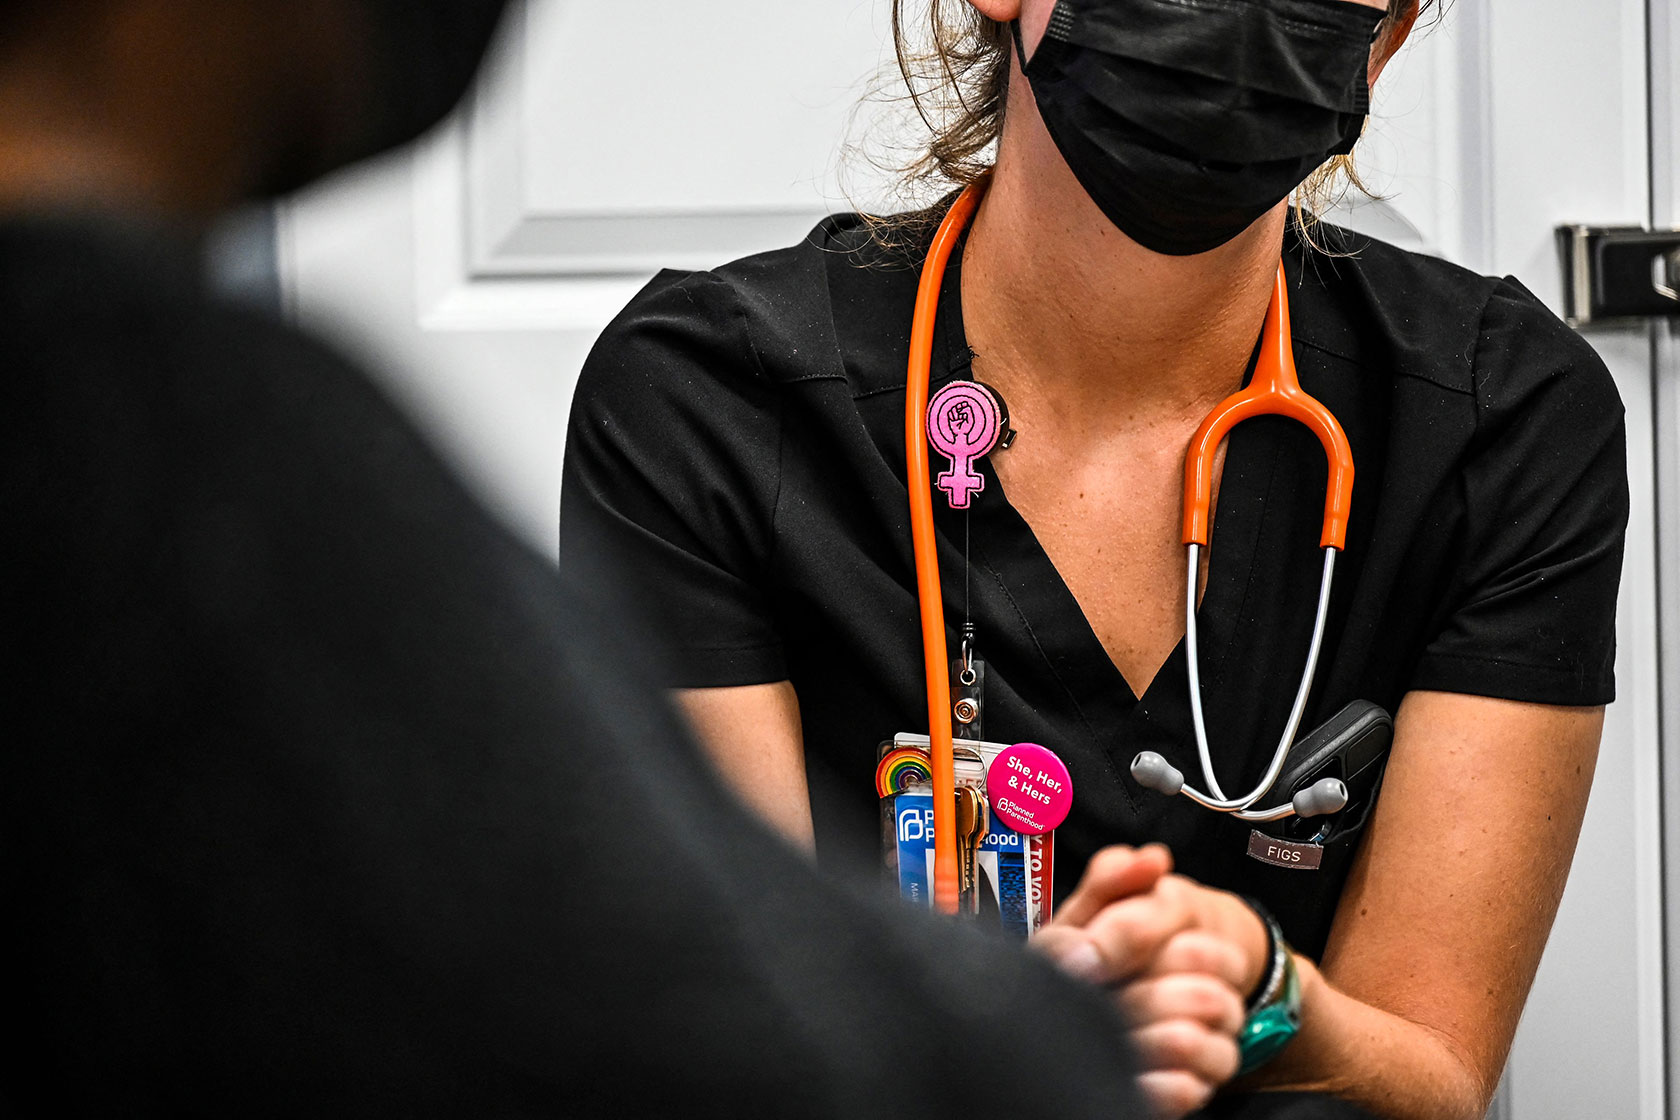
1030,790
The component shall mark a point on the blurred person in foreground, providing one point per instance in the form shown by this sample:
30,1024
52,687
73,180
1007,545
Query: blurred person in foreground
323,794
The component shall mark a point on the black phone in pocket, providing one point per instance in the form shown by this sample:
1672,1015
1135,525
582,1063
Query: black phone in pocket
1351,745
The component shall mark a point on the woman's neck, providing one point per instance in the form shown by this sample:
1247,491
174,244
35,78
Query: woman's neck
1060,306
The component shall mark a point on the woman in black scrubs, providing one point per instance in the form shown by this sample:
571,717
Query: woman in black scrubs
737,440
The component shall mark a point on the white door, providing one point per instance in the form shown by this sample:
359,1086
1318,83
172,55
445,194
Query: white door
615,138
1565,133
1665,350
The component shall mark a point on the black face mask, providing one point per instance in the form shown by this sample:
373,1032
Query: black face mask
1185,120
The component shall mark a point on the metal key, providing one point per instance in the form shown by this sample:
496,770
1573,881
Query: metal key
966,815
972,818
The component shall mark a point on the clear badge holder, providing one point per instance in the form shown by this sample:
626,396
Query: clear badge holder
1015,794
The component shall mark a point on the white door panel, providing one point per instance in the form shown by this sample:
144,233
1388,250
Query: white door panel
623,138
612,139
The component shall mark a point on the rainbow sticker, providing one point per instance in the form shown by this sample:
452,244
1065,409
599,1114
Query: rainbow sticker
898,768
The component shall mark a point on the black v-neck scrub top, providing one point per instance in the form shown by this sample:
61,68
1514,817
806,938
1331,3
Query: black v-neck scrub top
737,446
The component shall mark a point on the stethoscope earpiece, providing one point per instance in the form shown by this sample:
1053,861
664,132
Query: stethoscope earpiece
1323,797
1151,771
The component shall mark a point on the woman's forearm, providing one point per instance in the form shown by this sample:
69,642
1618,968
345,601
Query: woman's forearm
752,735
1392,1066
1429,960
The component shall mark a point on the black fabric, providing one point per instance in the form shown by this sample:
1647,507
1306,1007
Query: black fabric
1185,120
737,445
424,54
1299,49
327,798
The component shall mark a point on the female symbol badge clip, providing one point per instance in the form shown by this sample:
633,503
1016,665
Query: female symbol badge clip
965,421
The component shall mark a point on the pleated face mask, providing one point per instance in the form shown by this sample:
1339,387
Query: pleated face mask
1185,120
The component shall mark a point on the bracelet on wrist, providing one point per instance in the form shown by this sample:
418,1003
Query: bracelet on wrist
1270,973
1274,1008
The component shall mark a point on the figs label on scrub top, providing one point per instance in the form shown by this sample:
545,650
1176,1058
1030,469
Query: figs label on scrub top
1029,788
1292,854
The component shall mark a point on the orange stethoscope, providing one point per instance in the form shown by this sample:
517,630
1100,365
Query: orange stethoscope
1274,390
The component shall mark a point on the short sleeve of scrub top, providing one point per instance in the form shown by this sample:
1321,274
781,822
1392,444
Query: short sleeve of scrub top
736,449
1545,500
673,457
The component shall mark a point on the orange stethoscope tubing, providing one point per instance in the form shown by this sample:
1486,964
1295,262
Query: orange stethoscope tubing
935,656
1274,390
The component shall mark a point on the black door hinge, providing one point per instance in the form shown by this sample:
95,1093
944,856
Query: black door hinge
1618,272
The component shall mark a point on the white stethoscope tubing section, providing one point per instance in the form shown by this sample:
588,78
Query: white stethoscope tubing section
1240,806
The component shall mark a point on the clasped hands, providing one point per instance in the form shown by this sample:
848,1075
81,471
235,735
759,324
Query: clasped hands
1180,959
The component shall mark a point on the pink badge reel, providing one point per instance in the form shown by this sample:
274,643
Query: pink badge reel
1029,788
965,421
